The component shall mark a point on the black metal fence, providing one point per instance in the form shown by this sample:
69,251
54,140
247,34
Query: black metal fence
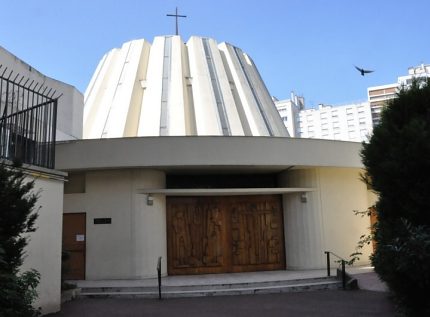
28,120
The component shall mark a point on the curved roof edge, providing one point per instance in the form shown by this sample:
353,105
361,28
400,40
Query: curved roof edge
210,152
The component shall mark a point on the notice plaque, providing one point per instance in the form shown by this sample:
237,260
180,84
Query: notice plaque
80,237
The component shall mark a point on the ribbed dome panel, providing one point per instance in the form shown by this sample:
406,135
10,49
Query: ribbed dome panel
172,88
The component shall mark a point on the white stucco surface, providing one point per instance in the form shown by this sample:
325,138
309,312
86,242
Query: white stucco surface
130,246
43,253
172,88
326,221
303,227
342,192
122,172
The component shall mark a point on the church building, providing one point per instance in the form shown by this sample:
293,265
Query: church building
185,157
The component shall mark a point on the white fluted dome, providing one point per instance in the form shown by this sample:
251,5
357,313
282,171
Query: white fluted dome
172,88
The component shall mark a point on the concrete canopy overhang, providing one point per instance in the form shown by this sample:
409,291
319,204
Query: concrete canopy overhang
206,153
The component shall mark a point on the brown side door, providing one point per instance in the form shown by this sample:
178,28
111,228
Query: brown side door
224,234
74,240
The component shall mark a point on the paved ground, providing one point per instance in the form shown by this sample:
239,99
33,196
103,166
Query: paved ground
316,303
371,300
370,282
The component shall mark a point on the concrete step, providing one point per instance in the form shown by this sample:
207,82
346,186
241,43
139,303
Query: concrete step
204,285
214,289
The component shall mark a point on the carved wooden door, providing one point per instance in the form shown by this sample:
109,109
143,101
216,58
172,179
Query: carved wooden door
224,234
196,235
257,237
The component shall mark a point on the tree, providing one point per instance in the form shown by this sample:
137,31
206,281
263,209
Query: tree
397,161
17,219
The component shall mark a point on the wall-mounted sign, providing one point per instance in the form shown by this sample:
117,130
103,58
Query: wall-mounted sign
102,221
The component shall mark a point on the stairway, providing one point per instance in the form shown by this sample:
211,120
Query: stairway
212,289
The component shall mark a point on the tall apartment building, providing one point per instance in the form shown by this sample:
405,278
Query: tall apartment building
352,122
379,95
289,110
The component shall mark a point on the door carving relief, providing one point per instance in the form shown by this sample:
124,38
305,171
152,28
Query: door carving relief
224,234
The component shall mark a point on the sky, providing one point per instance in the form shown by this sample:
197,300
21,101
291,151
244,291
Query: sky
308,47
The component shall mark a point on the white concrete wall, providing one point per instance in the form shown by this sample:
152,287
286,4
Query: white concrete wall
342,192
206,114
251,113
114,96
128,247
232,106
268,108
43,253
149,123
326,221
256,101
126,89
196,99
150,239
70,104
303,226
94,94
176,115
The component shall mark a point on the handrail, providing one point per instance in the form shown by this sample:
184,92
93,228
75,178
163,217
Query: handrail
159,276
343,261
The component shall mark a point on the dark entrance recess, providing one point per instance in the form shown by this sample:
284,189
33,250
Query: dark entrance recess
224,234
222,181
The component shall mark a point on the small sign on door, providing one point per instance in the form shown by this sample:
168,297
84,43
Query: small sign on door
80,237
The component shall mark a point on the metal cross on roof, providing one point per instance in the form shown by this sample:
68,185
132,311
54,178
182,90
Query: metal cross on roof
176,15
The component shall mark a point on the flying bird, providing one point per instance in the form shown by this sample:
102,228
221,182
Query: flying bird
363,71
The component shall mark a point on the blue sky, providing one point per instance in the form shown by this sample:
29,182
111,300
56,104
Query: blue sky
306,46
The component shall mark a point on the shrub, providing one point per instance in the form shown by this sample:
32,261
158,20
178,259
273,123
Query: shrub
397,160
17,219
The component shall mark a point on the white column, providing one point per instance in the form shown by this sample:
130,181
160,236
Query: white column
304,236
149,238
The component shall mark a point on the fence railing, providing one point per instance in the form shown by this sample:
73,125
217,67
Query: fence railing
28,120
342,262
159,276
